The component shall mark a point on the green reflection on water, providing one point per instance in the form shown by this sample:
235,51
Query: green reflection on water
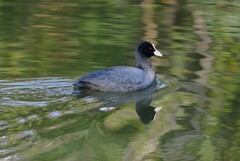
41,39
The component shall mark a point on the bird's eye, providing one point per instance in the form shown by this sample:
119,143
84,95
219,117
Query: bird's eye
150,48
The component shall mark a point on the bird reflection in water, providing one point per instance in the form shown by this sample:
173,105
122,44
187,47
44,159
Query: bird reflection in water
143,99
145,111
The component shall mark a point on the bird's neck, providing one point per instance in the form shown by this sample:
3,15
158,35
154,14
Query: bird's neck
144,63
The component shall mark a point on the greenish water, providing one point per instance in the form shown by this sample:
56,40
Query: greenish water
191,114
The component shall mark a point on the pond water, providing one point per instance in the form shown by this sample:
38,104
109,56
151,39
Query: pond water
190,113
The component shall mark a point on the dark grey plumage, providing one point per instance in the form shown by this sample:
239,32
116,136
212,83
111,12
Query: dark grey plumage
123,78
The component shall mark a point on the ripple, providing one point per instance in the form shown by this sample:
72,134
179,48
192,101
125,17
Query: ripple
34,92
45,107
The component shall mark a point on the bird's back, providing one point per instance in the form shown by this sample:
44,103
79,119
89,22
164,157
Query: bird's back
115,79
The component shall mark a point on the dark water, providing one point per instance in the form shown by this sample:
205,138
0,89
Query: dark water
191,114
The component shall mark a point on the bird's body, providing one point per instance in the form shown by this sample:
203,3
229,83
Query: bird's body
123,78
117,79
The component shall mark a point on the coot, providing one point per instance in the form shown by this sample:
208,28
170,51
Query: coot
124,78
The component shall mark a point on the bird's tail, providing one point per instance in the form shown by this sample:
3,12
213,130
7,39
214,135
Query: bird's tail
78,84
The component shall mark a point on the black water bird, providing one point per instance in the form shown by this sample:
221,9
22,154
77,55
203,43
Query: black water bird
124,78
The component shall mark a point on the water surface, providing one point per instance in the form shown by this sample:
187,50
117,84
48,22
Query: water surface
191,113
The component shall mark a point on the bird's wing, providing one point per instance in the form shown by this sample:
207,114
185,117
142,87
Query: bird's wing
114,79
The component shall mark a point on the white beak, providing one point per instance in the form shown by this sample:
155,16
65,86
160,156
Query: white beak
157,53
